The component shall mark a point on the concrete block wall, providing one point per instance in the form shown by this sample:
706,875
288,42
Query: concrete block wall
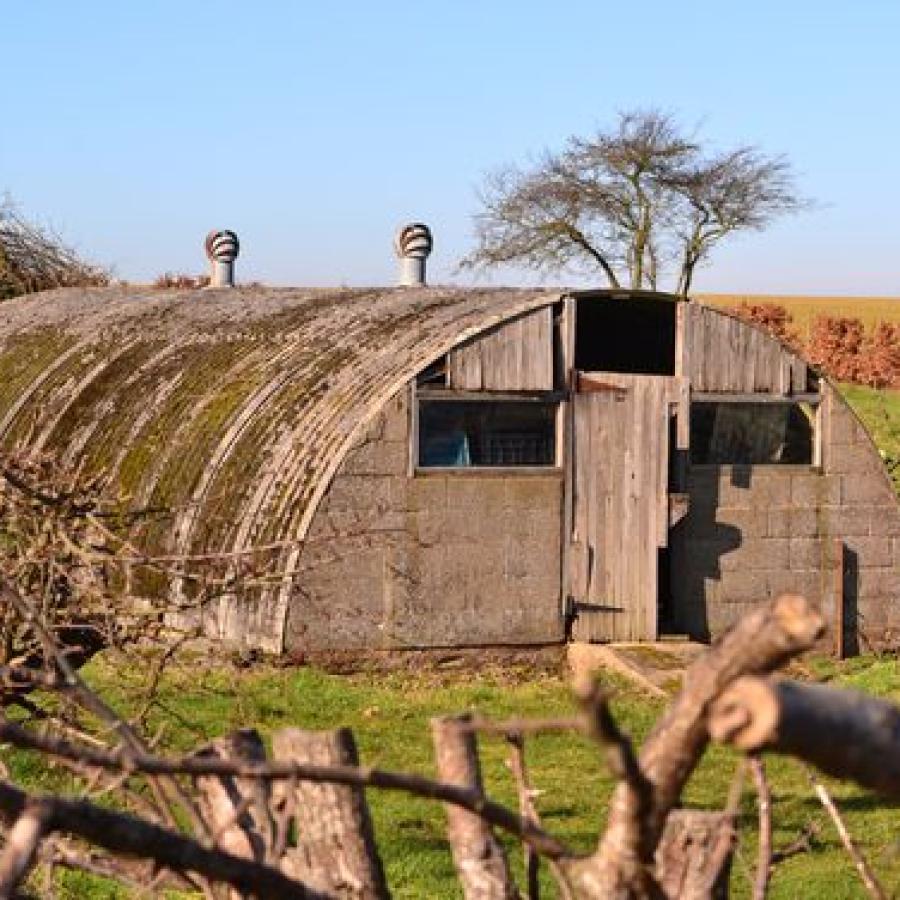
431,560
753,532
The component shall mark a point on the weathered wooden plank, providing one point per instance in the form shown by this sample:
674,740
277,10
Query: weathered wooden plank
622,500
517,355
722,354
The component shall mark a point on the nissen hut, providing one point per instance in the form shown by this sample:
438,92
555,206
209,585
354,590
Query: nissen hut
444,467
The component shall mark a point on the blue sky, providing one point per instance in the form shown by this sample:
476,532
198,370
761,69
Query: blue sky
313,129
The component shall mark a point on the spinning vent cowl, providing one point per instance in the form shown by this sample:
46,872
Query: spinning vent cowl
222,248
413,245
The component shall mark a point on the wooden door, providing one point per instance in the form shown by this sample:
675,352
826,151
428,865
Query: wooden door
620,500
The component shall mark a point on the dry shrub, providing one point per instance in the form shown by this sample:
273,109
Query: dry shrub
181,281
881,356
66,546
773,318
836,346
34,259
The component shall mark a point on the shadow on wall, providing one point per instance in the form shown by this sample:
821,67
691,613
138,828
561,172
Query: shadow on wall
849,639
698,544
709,593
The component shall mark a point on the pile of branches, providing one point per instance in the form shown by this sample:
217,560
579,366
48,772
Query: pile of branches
68,548
232,822
35,259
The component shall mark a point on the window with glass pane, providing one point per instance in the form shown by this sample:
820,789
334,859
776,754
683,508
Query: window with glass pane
466,433
752,433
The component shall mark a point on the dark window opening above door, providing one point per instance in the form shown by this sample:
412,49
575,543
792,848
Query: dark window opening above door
627,335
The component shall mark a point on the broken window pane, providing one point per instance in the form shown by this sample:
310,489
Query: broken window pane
461,433
752,433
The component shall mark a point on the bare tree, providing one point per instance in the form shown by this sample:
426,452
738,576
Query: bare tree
741,190
638,198
35,259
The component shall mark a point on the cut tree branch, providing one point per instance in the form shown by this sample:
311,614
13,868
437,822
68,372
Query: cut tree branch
804,720
121,833
759,643
127,761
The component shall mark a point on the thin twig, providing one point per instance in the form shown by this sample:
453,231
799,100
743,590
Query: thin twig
526,809
140,762
764,855
865,872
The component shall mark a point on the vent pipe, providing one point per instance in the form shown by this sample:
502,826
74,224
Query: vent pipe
222,248
412,245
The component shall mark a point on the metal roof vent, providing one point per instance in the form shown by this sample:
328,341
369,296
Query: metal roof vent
222,248
412,245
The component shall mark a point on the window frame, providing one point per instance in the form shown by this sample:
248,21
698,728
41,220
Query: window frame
557,399
813,399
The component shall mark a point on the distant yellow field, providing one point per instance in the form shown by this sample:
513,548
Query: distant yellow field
870,310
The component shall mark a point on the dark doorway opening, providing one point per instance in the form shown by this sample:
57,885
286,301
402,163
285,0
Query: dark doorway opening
666,623
627,335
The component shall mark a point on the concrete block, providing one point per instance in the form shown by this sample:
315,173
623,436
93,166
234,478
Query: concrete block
706,555
425,527
808,553
842,426
811,584
766,553
529,492
771,489
812,489
805,522
427,493
883,582
736,496
703,492
361,492
778,523
742,586
395,426
476,492
855,459
847,521
887,521
535,525
750,522
531,560
377,458
867,487
873,552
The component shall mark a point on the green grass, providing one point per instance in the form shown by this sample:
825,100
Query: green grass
880,413
389,715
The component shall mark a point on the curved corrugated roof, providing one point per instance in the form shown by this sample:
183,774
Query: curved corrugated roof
232,408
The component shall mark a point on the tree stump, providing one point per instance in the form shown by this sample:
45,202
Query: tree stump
693,860
335,849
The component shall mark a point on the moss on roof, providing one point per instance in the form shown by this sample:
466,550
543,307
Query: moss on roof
230,408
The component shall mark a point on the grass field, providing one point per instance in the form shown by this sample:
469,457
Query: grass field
870,310
389,715
880,413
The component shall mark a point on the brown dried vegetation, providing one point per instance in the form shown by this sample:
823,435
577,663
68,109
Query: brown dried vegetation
35,259
838,345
